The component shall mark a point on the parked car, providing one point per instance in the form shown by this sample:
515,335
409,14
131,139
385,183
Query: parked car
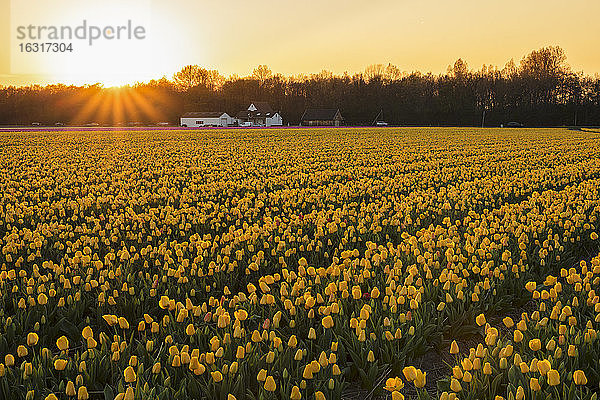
514,125
59,124
92,124
35,124
381,123
246,124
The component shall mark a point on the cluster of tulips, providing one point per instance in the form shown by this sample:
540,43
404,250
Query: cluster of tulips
269,264
552,351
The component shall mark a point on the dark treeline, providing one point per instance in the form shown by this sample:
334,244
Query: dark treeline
540,90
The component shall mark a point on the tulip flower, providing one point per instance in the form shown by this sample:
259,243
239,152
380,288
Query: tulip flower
129,375
62,343
60,364
553,377
455,385
327,322
535,344
454,347
295,395
82,393
269,384
32,339
480,320
87,333
579,377
410,373
70,389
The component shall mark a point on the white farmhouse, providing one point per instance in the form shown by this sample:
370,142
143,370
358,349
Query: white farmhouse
210,118
259,113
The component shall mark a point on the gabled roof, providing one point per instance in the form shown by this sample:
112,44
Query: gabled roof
243,114
321,114
262,107
203,114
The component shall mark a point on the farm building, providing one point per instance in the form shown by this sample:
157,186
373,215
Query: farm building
322,117
259,113
209,118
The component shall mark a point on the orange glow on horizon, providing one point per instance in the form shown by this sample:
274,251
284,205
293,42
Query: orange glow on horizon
339,36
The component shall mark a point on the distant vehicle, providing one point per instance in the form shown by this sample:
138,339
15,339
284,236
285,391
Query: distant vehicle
59,124
378,121
163,124
246,124
514,125
35,124
92,124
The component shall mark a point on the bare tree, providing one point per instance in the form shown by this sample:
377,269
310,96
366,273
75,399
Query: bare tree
262,73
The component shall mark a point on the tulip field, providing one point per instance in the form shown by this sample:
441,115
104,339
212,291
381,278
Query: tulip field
300,264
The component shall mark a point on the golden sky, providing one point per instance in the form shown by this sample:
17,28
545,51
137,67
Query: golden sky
294,37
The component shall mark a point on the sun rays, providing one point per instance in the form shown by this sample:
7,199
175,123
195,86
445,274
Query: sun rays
117,106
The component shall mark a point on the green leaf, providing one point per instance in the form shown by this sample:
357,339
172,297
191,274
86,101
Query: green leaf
108,393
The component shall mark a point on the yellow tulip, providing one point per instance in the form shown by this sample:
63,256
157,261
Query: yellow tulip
87,333
129,394
487,369
60,364
307,373
410,373
216,376
508,322
535,344
455,385
111,320
544,366
579,377
123,323
22,351
262,375
32,339
327,322
397,395
82,393
295,395
421,379
190,330
270,385
480,320
517,336
553,377
129,374
370,356
454,347
70,389
62,343
164,302
156,368
520,395
9,360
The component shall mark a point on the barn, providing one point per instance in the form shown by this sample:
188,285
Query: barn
207,118
322,117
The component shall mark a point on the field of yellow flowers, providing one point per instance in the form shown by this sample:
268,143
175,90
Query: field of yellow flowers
292,264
